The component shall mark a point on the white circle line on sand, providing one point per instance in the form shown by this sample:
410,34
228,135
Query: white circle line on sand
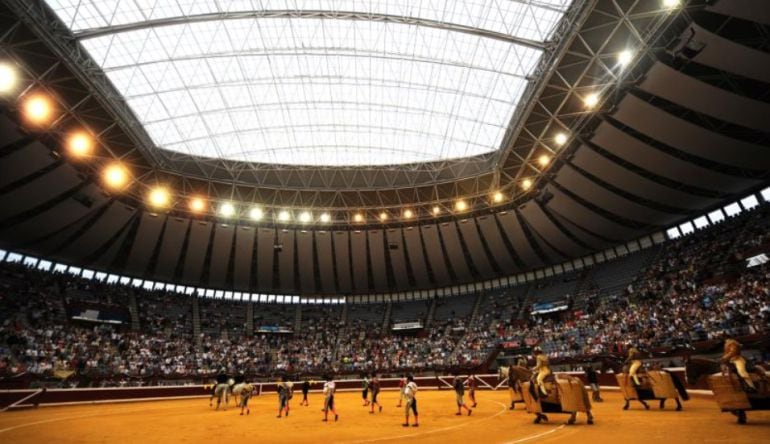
535,436
430,432
67,418
46,421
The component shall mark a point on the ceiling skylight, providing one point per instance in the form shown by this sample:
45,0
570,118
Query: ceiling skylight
336,83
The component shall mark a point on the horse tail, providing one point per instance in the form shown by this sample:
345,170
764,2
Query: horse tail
679,386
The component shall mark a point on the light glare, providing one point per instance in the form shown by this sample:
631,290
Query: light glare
256,213
461,205
38,109
197,205
325,218
526,184
498,197
625,57
305,217
115,176
284,216
591,100
560,139
408,214
436,210
671,3
383,216
544,160
80,144
8,78
159,197
358,217
226,210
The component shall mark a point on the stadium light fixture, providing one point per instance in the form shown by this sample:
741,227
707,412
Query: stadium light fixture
80,144
284,216
9,78
159,197
38,109
544,160
408,214
227,209
560,139
625,57
526,184
498,197
670,4
436,210
591,100
256,214
305,217
358,217
383,216
197,205
461,205
116,176
325,218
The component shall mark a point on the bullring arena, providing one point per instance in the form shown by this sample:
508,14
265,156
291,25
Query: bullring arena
192,421
440,221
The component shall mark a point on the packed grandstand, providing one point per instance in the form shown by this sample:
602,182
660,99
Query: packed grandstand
691,292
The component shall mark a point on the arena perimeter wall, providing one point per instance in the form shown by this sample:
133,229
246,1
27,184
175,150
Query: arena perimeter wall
52,397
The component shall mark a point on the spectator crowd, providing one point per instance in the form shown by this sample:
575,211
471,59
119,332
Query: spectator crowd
697,288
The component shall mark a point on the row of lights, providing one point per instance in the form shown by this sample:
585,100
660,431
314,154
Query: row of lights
40,111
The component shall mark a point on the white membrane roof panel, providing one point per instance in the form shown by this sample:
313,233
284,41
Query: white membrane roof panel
258,81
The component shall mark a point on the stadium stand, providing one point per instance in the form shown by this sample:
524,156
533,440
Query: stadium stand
659,298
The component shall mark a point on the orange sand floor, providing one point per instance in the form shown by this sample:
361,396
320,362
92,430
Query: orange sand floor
192,421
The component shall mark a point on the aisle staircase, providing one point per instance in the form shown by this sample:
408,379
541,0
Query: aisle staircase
476,307
471,324
386,317
431,313
133,308
525,302
196,314
298,319
249,319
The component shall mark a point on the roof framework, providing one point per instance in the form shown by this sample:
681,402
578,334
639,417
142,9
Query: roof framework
580,57
651,157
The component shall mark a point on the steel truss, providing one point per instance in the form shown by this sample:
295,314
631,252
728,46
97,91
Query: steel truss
579,59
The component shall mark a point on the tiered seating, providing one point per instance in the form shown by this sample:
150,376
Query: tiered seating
409,311
219,316
367,314
459,307
274,315
166,312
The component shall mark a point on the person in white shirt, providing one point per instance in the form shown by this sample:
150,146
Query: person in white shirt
410,393
329,389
